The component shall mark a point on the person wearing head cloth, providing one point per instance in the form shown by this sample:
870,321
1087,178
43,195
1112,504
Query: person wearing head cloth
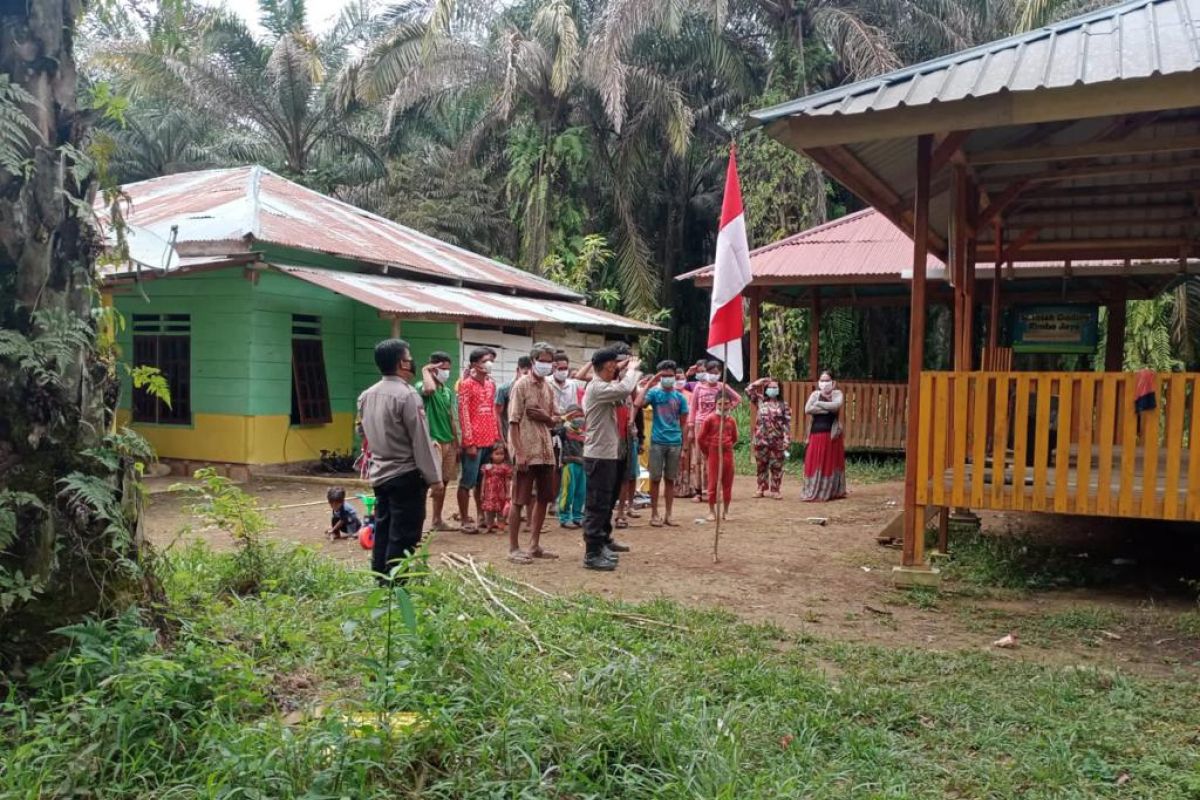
825,456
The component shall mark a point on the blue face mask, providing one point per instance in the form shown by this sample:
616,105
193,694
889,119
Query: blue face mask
772,391
668,383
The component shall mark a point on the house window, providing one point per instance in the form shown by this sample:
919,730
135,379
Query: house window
310,388
164,341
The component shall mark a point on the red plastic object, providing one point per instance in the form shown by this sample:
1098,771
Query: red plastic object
366,537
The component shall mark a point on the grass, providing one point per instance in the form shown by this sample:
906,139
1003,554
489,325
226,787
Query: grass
1018,562
610,709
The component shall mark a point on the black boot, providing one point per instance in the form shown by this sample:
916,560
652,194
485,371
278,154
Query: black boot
616,547
610,555
595,558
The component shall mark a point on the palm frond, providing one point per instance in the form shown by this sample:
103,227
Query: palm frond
554,23
391,60
290,72
281,17
865,49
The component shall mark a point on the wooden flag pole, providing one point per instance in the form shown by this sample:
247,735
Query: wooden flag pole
720,456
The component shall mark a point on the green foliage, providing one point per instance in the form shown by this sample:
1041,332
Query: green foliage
153,381
54,349
269,696
17,131
223,505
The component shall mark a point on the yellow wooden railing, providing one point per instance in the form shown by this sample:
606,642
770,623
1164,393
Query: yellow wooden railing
1065,442
873,417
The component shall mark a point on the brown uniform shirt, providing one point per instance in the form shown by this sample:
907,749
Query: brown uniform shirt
392,416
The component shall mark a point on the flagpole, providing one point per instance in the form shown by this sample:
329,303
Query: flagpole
720,454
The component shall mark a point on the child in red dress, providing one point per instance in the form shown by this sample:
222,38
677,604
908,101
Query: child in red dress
497,477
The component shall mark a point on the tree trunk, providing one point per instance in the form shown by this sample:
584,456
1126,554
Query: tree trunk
70,551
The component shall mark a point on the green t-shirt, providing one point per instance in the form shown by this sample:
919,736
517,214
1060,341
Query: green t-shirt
439,412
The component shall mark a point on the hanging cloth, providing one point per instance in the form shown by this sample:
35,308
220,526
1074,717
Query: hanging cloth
1145,396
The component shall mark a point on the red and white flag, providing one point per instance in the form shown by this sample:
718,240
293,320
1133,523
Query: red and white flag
731,274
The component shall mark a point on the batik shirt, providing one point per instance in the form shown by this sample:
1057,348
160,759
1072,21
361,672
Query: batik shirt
773,427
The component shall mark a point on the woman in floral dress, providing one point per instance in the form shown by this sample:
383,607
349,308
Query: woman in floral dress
772,435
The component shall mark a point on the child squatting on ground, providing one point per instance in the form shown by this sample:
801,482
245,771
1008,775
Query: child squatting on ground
344,522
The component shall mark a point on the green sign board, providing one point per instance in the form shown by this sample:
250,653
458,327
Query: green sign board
1055,329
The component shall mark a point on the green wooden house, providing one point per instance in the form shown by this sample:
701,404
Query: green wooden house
261,302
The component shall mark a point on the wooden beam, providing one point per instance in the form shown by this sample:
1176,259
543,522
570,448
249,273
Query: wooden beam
958,258
1102,216
846,167
994,308
1023,238
1001,201
1059,174
1114,343
972,242
1109,190
914,527
814,338
1082,150
950,144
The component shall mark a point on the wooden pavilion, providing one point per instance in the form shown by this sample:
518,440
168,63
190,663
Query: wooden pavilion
1077,141
864,260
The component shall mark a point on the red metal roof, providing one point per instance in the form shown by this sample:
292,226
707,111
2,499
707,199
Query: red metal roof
238,206
866,245
405,298
858,245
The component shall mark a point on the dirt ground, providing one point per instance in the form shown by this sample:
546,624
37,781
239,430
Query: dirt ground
831,580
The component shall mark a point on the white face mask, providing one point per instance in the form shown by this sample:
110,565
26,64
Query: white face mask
443,375
486,368
702,377
561,375
543,368
825,386
712,377
668,383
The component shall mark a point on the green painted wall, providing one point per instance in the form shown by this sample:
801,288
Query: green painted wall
295,257
220,305
242,332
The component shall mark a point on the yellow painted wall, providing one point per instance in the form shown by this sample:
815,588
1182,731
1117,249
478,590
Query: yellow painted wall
245,440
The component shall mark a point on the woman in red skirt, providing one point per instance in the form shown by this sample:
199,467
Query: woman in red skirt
825,457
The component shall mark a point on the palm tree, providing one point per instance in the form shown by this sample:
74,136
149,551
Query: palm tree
271,95
567,96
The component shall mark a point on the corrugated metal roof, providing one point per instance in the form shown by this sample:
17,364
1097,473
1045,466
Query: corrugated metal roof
862,244
866,244
1138,39
234,205
405,298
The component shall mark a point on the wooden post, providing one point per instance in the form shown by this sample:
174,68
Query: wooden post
814,336
1114,343
958,252
395,327
755,313
994,310
970,236
914,522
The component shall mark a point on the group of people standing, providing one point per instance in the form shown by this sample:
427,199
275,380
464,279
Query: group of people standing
567,437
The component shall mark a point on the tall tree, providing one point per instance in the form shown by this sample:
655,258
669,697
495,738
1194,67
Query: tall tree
273,95
67,500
